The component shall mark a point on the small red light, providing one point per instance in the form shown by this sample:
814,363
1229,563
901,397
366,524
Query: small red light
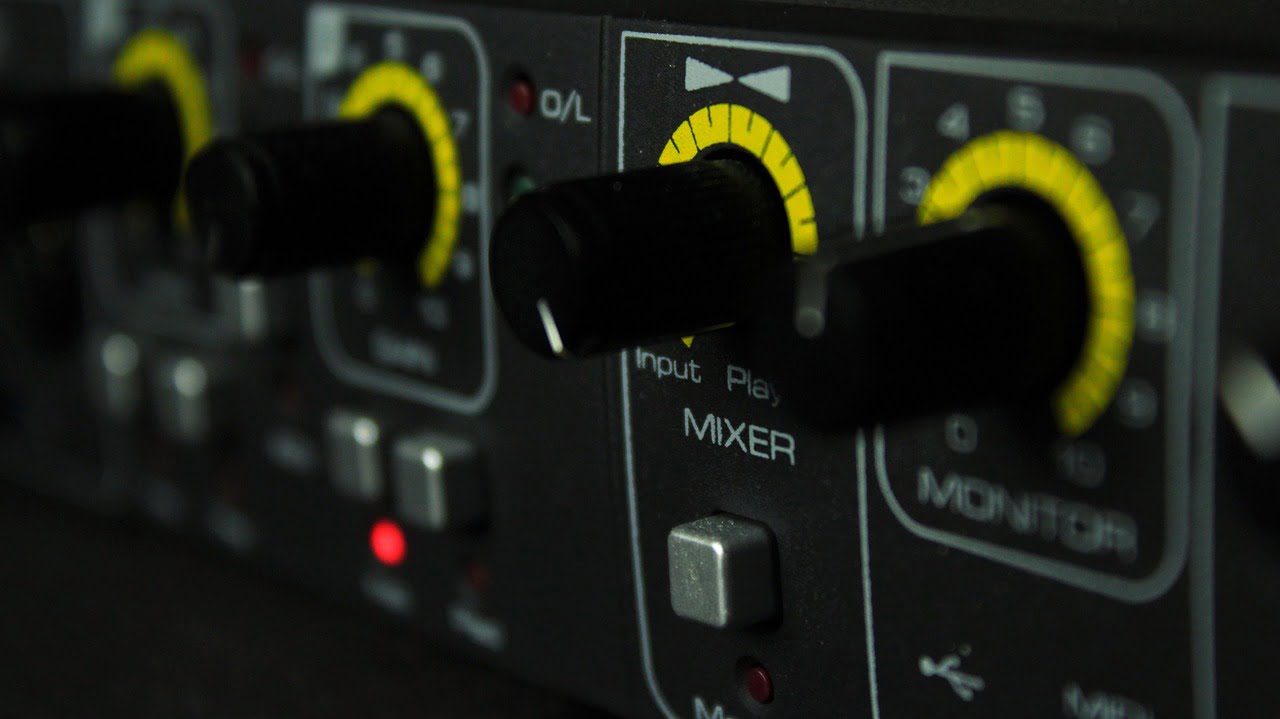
386,539
759,684
251,62
521,95
478,577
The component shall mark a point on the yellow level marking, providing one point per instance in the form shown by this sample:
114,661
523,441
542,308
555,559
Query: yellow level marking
1013,155
730,124
1031,162
396,84
155,56
444,153
948,195
710,125
681,147
748,130
804,233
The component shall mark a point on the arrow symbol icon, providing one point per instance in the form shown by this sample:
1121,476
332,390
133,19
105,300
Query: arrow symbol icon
774,82
699,75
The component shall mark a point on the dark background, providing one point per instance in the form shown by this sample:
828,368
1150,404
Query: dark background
104,619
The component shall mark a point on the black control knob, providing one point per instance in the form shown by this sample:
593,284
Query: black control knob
320,195
988,307
62,152
595,265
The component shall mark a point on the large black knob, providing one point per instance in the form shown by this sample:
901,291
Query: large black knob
595,265
989,307
319,195
62,152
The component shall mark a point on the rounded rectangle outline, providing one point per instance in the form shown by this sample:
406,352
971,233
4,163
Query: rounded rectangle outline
1183,191
1219,94
858,94
321,300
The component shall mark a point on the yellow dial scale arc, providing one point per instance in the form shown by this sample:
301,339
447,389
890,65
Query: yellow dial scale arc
1025,160
393,83
155,56
730,124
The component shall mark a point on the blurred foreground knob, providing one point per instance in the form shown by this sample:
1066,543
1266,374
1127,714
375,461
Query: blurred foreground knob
313,196
599,264
63,152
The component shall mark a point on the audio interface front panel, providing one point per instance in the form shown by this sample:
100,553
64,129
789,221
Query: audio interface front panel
730,522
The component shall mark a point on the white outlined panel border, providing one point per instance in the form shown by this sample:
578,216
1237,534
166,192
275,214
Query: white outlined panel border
324,325
1220,95
1185,155
859,221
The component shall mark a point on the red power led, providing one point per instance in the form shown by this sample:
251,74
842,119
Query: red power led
759,684
386,539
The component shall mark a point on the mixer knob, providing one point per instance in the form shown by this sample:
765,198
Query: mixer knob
68,151
321,195
598,264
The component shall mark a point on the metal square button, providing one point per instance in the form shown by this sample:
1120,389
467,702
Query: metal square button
438,482
722,571
355,454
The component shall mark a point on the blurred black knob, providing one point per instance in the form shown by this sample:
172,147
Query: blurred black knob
62,152
313,196
987,308
599,264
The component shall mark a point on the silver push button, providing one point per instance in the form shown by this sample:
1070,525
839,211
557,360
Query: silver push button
118,371
355,454
182,389
438,482
722,571
248,309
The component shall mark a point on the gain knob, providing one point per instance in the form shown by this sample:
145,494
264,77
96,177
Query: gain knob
328,194
379,183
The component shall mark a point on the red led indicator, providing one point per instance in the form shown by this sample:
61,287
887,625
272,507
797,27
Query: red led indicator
386,539
521,95
478,578
759,684
251,62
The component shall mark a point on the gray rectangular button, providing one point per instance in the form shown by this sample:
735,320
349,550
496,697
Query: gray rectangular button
438,482
117,371
722,571
247,308
355,454
182,396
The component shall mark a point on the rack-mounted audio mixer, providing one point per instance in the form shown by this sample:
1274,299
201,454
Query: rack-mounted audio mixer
714,361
